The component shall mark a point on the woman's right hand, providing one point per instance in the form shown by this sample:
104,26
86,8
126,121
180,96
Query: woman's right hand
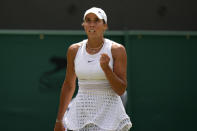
59,126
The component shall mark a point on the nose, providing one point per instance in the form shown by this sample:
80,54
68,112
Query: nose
92,23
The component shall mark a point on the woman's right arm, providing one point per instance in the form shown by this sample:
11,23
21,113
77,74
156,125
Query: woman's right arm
68,86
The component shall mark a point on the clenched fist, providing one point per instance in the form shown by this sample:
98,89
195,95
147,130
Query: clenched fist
104,61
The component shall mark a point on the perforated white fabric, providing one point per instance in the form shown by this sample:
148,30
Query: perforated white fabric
93,127
96,106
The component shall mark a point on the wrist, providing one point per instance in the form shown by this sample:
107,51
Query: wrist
59,121
106,68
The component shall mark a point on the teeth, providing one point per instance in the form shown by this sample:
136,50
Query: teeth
91,30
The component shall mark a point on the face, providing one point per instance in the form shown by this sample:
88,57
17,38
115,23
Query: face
94,27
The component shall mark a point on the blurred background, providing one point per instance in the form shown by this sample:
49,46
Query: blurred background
160,37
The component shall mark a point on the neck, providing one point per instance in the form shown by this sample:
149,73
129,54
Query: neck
96,42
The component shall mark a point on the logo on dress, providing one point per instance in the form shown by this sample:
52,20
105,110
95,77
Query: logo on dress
90,61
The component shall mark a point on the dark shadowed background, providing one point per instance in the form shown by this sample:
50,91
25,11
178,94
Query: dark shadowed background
122,14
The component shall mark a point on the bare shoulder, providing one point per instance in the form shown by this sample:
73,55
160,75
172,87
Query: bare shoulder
118,50
74,47
72,50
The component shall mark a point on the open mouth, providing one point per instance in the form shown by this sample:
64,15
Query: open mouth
92,31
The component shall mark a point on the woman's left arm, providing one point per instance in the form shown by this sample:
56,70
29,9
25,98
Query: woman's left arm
118,77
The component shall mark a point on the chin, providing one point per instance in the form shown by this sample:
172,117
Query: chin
92,34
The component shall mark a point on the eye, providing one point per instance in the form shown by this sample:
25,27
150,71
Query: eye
87,20
97,20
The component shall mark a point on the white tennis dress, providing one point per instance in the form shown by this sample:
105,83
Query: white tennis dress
96,106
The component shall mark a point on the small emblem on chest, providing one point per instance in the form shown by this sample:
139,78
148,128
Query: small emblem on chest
90,61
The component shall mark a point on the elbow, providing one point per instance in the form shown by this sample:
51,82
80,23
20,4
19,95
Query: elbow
122,90
120,93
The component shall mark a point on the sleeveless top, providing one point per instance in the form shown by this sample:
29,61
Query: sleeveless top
96,102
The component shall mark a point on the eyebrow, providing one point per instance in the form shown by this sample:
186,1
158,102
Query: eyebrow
96,18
